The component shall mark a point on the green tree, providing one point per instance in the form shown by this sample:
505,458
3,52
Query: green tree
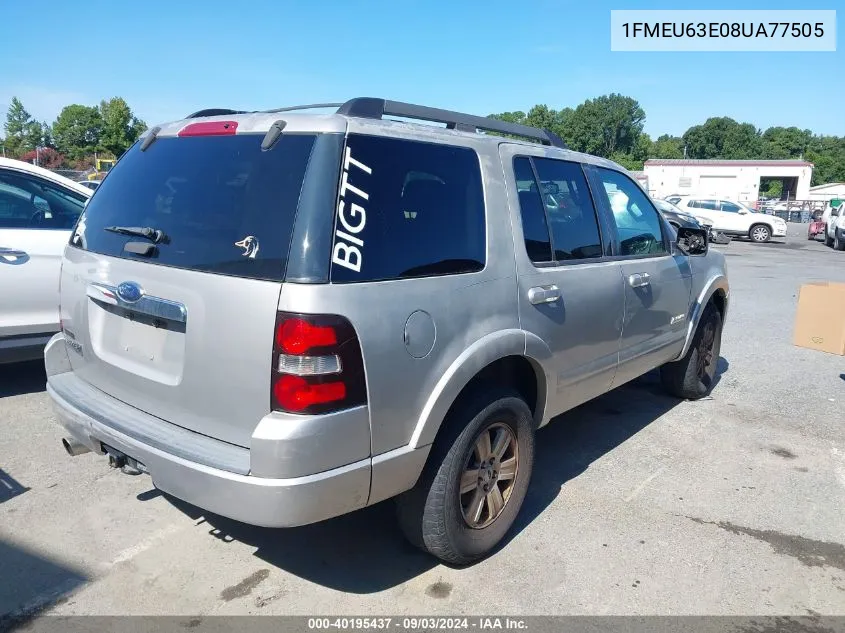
77,130
120,126
606,125
667,147
827,153
785,142
722,137
36,135
17,125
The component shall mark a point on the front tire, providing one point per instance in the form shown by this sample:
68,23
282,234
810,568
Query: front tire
475,480
760,233
838,242
694,375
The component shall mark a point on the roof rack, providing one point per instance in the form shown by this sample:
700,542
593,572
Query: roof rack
374,108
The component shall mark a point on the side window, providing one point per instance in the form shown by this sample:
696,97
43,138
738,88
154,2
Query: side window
538,245
730,207
693,204
637,222
569,208
407,209
30,203
710,205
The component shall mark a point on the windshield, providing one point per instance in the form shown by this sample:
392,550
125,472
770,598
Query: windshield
225,205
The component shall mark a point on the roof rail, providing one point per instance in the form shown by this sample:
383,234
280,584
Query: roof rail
375,108
310,106
214,112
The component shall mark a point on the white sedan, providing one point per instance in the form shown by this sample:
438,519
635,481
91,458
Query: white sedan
732,218
38,210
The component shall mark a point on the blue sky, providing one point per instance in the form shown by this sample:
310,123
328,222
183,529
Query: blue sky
167,59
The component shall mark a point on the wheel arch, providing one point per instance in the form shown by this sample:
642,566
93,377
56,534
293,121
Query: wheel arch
716,291
513,357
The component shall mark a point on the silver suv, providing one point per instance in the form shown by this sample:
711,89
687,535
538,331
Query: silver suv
286,316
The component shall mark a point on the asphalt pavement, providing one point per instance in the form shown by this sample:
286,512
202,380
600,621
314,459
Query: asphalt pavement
639,503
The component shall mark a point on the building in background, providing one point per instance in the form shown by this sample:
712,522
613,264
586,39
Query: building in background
738,180
828,192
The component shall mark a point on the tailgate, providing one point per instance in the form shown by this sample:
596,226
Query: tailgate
180,325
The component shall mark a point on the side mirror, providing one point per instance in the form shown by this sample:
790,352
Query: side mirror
692,241
743,211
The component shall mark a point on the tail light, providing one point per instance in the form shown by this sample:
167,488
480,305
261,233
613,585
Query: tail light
317,364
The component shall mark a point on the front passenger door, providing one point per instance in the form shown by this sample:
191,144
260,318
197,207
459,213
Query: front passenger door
36,218
732,216
657,282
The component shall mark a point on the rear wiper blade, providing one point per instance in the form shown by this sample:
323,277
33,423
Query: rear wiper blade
156,235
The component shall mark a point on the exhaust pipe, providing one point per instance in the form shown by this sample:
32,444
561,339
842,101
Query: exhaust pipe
74,447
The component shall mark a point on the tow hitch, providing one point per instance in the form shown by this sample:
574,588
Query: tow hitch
126,464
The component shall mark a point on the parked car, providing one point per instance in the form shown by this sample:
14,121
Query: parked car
678,218
734,218
284,317
833,219
38,209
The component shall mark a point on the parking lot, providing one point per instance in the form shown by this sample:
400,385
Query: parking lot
639,503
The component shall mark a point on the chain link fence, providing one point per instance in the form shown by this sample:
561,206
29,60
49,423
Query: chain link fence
73,174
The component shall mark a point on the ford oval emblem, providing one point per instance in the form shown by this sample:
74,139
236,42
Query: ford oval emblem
130,292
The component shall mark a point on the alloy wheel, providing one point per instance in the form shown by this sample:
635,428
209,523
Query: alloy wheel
705,362
760,234
489,474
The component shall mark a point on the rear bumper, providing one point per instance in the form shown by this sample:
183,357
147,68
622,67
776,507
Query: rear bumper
95,419
253,500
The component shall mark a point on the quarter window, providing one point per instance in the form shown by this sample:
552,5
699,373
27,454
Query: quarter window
637,221
408,209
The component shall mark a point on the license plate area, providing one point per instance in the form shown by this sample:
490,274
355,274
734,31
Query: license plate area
149,346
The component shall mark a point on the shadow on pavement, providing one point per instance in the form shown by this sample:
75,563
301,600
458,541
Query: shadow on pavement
31,583
9,487
364,552
17,379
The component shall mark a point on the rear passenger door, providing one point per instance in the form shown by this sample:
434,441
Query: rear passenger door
709,210
657,282
570,293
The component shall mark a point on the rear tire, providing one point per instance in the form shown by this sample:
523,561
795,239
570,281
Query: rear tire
694,375
760,233
435,515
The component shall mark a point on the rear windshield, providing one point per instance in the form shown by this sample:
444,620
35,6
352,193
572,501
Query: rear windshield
224,205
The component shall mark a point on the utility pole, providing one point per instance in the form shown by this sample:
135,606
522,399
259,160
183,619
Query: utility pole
685,152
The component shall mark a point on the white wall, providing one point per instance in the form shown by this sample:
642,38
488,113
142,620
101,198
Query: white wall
834,191
734,182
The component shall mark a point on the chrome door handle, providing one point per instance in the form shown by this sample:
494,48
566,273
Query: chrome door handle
544,294
11,254
639,280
